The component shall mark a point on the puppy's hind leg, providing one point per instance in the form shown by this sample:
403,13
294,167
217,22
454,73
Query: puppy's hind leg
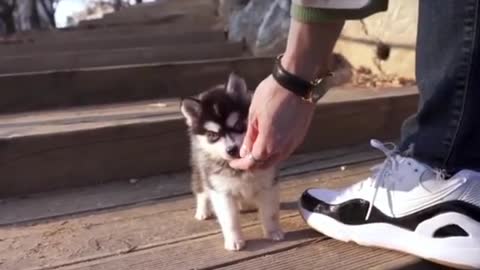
269,213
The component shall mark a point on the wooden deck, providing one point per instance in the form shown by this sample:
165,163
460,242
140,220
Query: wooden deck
84,109
148,224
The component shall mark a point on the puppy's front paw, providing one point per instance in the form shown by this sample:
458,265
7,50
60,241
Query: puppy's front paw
276,235
203,215
233,244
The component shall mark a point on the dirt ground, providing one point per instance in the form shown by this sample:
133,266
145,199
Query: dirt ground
363,77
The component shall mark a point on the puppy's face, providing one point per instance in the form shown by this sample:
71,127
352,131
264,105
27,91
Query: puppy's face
218,118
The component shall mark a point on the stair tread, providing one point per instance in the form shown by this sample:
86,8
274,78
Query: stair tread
93,117
88,117
62,88
84,42
119,56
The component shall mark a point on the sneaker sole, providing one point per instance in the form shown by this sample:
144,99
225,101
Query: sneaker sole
367,235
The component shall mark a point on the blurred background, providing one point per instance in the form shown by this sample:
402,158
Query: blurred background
383,44
21,15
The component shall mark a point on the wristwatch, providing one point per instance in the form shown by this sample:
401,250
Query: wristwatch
310,91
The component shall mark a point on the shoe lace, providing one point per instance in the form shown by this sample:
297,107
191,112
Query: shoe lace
384,170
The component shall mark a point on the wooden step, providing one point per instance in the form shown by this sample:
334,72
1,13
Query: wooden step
48,205
79,87
186,6
149,225
100,31
181,21
154,10
85,41
96,144
37,61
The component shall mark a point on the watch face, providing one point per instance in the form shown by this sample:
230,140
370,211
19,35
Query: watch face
319,91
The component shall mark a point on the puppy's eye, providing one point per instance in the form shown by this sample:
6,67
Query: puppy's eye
212,136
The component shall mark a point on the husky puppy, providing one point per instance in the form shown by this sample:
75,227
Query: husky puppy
217,122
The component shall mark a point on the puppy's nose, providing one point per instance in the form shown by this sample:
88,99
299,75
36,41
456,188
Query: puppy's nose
233,151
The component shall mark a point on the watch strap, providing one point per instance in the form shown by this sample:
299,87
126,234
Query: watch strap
291,82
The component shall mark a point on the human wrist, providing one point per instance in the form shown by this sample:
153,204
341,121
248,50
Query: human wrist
304,66
308,90
290,96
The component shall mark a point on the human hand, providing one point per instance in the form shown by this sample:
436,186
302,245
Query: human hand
277,125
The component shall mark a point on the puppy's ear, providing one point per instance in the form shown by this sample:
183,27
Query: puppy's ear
191,110
236,85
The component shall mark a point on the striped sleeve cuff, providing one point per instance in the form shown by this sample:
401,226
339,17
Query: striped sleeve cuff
304,12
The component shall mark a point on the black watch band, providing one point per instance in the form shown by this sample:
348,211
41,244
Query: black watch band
291,82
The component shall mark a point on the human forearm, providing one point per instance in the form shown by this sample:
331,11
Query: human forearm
278,118
309,47
314,29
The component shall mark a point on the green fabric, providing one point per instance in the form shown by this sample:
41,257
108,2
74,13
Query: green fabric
315,15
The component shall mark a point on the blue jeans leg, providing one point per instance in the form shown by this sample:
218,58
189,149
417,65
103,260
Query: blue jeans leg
445,132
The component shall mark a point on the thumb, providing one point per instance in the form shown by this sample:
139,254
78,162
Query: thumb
249,139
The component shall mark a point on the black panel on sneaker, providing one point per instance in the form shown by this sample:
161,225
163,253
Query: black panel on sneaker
450,231
353,212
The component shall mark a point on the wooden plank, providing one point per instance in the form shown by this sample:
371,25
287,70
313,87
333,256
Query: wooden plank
409,263
160,9
79,87
330,254
61,121
187,6
134,191
179,20
163,224
116,57
81,118
90,156
87,42
364,122
103,32
88,150
193,254
156,16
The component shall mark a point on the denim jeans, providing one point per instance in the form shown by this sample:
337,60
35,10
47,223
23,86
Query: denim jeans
445,132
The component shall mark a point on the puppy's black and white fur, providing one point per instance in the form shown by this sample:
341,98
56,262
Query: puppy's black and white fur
217,121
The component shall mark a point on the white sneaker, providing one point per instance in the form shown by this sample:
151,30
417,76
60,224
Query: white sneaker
405,206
